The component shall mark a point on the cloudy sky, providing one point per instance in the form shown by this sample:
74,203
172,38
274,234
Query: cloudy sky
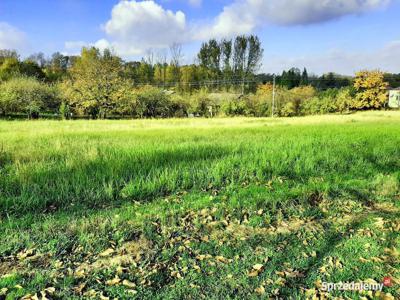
323,35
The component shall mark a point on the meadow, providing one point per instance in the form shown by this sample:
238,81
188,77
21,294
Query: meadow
200,208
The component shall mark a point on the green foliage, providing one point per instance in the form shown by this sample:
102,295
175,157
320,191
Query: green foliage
371,90
9,68
304,78
223,82
152,103
290,102
324,103
32,69
27,95
290,109
332,81
291,78
179,106
189,76
345,99
96,84
202,105
294,78
64,111
228,60
257,105
56,69
234,107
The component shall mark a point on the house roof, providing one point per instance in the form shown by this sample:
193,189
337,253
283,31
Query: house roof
394,89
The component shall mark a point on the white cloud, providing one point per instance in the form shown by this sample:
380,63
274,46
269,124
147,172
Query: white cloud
12,38
244,16
136,26
75,47
102,44
340,61
302,12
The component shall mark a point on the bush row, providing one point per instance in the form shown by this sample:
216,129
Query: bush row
33,98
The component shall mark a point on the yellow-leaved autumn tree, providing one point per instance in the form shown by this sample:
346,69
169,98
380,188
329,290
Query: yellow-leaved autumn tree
96,84
371,90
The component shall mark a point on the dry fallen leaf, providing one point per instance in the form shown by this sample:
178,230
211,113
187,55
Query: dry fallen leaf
107,252
260,290
78,289
393,252
79,273
133,292
379,222
43,293
50,290
3,291
253,274
90,294
318,283
323,270
58,264
24,254
222,259
128,284
387,296
113,281
257,269
370,281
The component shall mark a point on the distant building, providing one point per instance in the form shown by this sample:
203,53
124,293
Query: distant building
394,98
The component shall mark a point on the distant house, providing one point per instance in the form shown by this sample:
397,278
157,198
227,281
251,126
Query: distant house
394,98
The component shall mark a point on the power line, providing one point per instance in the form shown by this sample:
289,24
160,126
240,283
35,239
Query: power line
336,82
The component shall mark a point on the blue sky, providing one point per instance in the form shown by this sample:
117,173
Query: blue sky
331,35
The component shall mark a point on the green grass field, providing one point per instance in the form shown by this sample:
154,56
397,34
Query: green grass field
200,208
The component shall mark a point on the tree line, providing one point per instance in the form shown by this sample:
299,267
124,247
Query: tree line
223,80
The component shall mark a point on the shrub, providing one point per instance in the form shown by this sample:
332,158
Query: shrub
152,102
27,95
234,107
289,110
179,106
257,105
202,105
345,100
322,103
292,101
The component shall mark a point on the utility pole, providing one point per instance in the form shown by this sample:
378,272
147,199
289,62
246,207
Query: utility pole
273,97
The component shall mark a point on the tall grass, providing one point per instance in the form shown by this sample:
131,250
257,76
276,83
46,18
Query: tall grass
50,165
311,199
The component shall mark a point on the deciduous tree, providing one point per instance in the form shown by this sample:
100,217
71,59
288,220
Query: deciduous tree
96,83
371,90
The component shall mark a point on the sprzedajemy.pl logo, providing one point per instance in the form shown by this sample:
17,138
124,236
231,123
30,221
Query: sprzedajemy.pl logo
357,286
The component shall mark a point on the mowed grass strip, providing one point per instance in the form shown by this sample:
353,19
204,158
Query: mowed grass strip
221,208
